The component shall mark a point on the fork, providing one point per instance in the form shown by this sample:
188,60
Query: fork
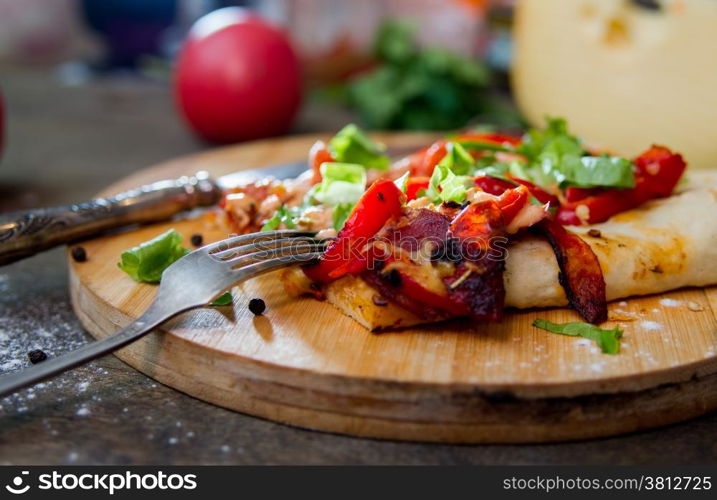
191,282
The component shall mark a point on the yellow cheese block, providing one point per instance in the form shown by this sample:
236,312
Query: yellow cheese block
624,76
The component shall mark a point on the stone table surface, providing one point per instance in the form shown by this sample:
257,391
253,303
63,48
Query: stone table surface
66,143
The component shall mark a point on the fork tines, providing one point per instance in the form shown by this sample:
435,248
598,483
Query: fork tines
283,245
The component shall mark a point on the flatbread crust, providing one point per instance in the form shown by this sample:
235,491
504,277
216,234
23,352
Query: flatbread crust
663,245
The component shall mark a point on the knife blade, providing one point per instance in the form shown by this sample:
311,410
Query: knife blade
285,171
28,232
25,233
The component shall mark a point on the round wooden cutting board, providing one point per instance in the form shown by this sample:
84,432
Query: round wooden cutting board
305,364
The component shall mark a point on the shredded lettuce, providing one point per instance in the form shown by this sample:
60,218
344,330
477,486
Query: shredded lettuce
470,144
555,157
147,261
607,340
603,170
340,214
284,215
457,159
402,182
340,183
352,145
223,300
444,185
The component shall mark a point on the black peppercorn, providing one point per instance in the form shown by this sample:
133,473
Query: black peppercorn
197,240
257,306
394,278
79,254
36,356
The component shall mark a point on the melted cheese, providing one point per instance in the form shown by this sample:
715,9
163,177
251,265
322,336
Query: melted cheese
625,77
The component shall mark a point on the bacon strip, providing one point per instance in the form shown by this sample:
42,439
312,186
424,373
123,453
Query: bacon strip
580,272
478,280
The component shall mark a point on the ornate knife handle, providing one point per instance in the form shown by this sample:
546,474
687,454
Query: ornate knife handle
26,233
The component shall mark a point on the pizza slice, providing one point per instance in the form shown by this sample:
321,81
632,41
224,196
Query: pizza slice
479,222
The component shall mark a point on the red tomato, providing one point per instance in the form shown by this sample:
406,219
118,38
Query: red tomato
237,77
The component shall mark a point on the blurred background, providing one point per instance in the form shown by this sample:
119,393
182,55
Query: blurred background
94,89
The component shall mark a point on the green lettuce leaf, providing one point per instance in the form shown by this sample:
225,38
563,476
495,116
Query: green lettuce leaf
223,300
147,261
340,183
607,340
352,145
457,159
284,215
557,158
402,182
444,185
340,214
603,170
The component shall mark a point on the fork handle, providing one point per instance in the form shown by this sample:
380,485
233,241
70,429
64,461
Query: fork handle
26,233
46,369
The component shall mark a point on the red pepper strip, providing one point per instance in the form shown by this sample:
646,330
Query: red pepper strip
493,185
497,186
318,154
658,172
538,193
422,162
414,185
489,137
417,230
379,203
403,283
512,201
580,272
386,286
576,194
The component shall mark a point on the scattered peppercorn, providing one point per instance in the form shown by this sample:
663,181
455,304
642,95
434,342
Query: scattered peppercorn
257,306
197,240
36,356
79,254
595,233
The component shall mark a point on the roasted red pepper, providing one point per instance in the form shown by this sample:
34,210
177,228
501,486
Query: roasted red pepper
318,154
410,293
580,272
497,186
490,138
658,171
539,194
379,203
493,185
415,185
422,162
512,201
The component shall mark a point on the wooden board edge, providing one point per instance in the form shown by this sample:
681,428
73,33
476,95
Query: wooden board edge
415,419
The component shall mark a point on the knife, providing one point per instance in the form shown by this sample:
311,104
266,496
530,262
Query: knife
25,233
